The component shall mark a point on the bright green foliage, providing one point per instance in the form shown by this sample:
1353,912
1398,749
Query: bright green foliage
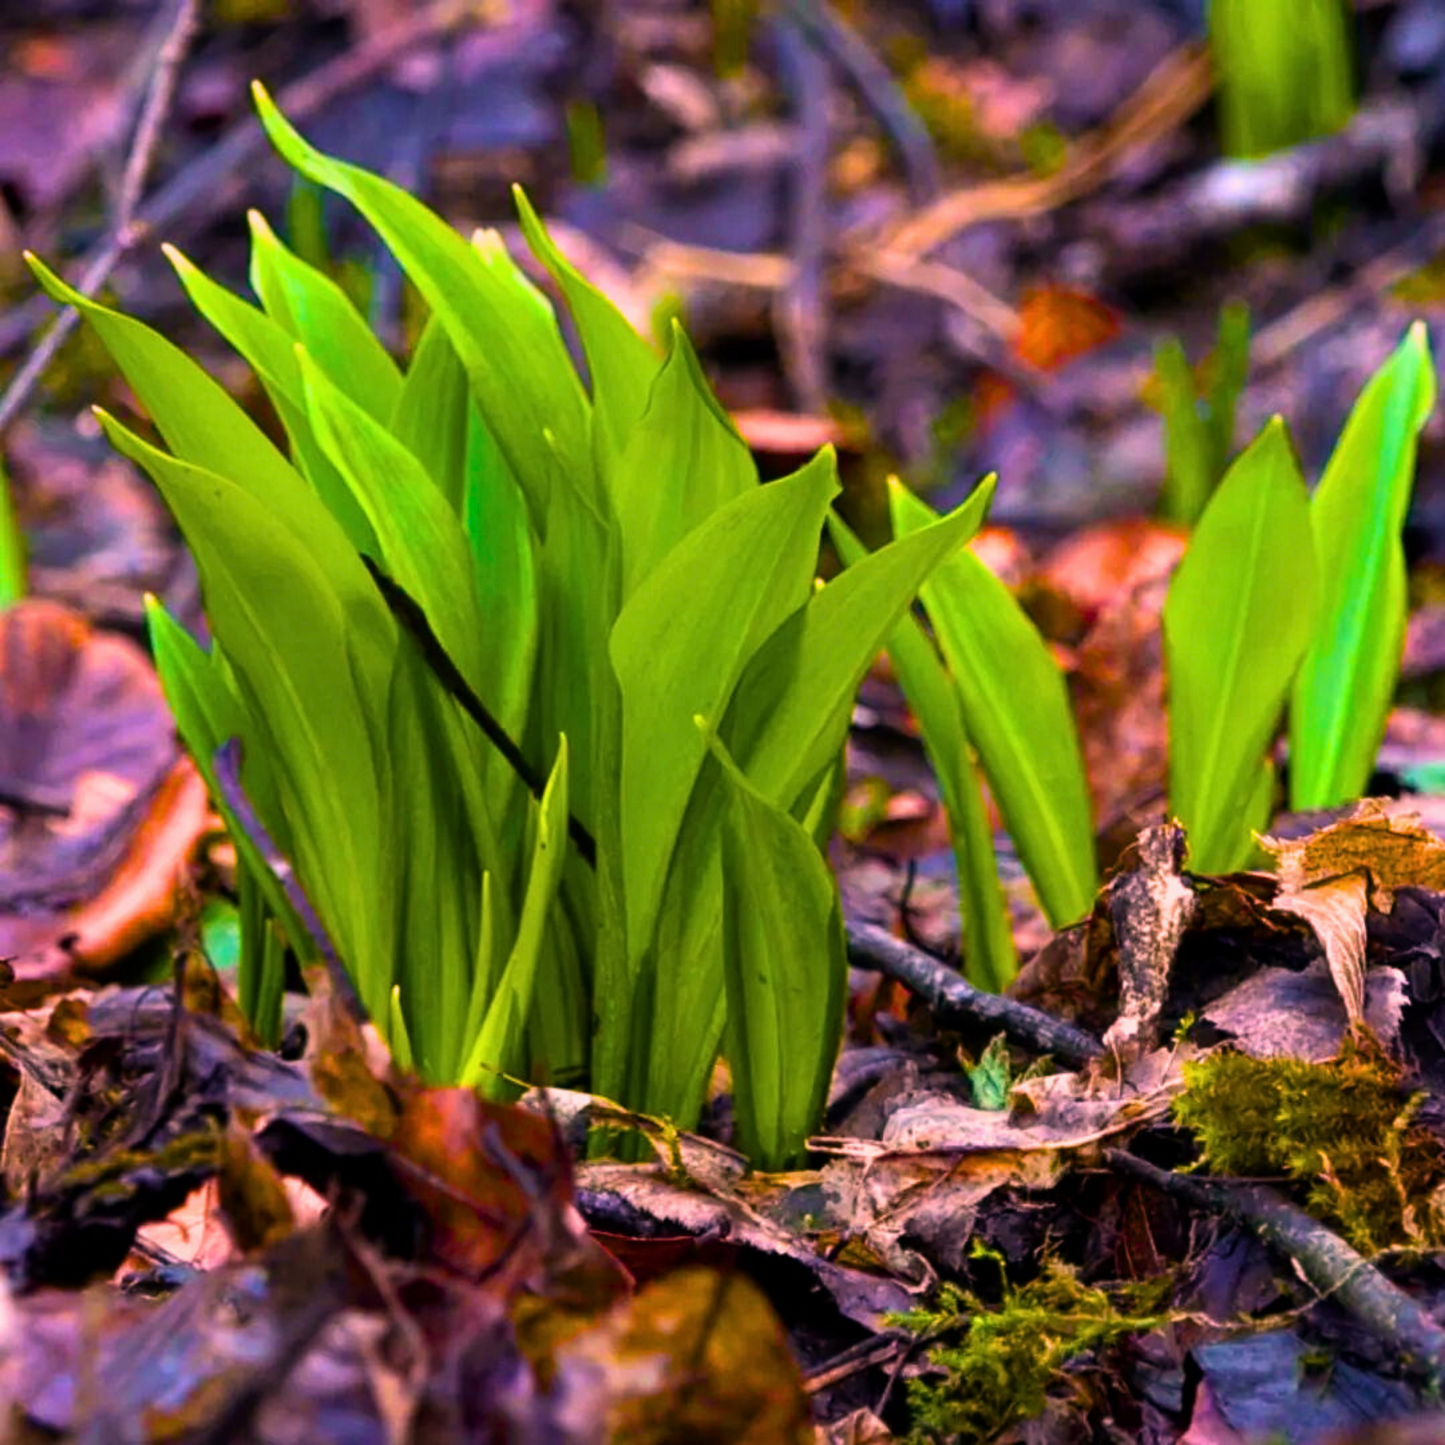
1239,615
1199,424
989,956
1344,1128
990,1079
12,547
602,571
1285,71
1016,712
1002,1362
1347,680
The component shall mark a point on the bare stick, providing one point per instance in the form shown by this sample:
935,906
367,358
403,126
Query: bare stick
124,230
1325,1260
954,1000
245,139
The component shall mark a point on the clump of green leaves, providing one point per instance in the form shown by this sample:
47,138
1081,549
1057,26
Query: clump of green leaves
618,875
999,1364
1285,71
1343,1128
1284,598
1198,411
1281,600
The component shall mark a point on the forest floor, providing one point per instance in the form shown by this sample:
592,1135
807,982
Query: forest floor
1184,1183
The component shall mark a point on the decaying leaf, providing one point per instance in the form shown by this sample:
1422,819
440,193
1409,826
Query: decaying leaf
97,814
1335,875
1335,910
1281,1011
1391,849
696,1355
938,1159
1150,905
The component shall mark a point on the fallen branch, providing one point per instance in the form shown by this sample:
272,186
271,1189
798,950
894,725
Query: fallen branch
1324,1259
954,1000
125,230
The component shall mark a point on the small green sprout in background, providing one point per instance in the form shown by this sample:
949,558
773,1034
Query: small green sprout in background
12,545
1285,71
1280,600
1199,420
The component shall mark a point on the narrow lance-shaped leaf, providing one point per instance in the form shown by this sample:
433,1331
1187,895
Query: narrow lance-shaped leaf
790,713
319,314
1238,616
680,645
621,363
199,422
682,460
498,1044
271,352
501,326
1347,680
1016,709
989,956
431,417
309,669
785,971
421,541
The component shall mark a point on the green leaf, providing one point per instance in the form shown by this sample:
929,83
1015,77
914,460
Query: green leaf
1285,72
1239,614
1016,712
12,547
434,412
208,713
498,1045
421,541
1345,685
989,956
683,460
501,326
311,666
622,364
1189,476
791,709
271,353
682,642
199,422
786,971
1199,433
991,1078
315,311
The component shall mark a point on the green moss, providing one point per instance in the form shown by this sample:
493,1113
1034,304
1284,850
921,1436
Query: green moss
1343,1128
999,1365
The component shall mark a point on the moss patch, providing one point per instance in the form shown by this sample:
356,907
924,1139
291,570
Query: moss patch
1000,1364
1344,1128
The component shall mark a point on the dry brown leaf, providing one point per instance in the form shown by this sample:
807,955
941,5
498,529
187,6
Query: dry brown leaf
1150,905
1335,910
1392,850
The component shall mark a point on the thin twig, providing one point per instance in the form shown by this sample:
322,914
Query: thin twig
799,315
954,1000
125,230
227,764
878,89
1173,91
1329,1264
245,140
